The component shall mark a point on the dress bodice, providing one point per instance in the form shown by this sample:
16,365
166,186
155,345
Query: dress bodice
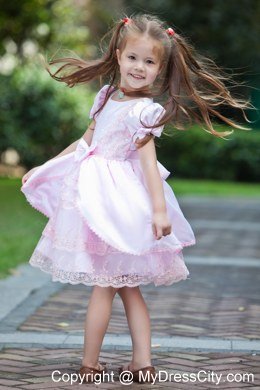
118,125
113,138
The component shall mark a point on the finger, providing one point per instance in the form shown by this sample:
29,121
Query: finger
159,233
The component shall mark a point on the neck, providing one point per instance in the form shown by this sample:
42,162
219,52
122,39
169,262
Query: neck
142,92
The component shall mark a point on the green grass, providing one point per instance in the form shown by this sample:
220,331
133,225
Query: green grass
214,188
21,225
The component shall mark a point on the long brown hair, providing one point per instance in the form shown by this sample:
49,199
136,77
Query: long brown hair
193,86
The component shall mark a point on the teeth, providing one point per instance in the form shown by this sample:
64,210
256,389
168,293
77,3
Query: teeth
137,77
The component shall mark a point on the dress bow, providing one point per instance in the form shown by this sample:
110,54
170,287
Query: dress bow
83,150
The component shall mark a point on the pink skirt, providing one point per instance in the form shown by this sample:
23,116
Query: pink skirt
100,223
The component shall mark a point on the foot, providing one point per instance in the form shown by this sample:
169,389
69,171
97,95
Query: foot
132,367
128,367
89,372
98,366
140,374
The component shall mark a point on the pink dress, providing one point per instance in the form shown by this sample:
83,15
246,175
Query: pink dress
99,230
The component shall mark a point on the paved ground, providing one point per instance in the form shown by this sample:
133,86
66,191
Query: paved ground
208,323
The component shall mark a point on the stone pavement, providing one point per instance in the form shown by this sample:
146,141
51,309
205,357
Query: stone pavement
208,323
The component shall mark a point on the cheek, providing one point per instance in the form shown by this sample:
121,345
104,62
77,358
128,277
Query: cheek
123,65
154,73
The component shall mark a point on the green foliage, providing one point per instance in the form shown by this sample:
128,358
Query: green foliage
19,19
195,153
49,24
40,117
221,29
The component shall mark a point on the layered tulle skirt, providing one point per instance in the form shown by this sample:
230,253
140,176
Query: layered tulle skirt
100,223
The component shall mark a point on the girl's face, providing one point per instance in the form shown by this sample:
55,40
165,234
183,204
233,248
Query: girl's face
139,62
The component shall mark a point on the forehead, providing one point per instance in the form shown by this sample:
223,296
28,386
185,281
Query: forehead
143,45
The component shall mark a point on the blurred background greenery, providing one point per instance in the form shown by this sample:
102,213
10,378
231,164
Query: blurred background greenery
40,117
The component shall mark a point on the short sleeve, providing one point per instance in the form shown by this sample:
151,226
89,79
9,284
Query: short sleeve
141,114
98,101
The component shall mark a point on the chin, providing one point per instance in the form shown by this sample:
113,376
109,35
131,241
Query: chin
137,85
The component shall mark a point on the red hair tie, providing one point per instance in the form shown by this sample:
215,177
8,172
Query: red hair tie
126,20
170,31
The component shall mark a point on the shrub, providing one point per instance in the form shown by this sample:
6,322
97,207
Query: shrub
40,116
195,153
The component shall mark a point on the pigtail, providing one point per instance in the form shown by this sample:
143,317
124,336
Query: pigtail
106,66
88,70
196,89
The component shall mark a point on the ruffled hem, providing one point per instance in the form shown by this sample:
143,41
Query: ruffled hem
161,248
31,200
98,245
42,189
38,260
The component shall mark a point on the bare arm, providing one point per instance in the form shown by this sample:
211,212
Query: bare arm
87,137
71,148
161,224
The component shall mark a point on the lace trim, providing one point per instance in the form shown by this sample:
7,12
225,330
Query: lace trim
91,244
117,143
119,249
132,280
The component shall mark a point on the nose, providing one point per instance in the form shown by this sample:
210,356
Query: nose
139,66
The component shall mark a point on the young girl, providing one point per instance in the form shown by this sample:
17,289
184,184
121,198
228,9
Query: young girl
114,222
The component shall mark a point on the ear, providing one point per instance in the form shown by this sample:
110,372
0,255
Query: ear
118,55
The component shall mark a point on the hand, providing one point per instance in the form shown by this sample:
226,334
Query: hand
141,142
28,174
161,225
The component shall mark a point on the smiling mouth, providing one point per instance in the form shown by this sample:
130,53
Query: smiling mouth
136,76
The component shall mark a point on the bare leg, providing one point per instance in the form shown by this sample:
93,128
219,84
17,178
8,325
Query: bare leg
97,319
139,325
